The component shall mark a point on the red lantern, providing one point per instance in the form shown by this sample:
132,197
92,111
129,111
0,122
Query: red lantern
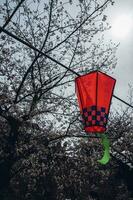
94,92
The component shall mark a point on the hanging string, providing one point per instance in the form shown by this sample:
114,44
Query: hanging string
49,57
123,101
106,157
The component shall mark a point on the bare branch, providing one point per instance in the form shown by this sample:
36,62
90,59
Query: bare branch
13,13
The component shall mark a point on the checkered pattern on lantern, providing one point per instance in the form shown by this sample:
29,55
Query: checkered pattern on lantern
94,116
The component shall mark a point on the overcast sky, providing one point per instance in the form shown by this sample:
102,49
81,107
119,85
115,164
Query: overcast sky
123,34
124,69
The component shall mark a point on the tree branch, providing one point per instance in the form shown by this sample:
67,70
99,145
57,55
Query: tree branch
13,13
76,29
36,58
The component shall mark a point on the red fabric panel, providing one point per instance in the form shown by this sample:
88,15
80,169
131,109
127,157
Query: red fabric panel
86,90
105,90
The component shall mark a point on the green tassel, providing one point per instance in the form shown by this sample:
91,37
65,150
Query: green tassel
106,156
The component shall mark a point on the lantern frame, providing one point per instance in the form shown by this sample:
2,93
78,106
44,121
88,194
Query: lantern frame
94,108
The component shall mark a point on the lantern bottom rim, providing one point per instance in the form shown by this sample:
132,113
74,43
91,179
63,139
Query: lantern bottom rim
96,129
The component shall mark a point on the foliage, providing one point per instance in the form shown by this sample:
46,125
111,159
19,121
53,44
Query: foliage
38,109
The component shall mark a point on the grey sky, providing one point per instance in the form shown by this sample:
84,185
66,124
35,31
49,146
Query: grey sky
124,69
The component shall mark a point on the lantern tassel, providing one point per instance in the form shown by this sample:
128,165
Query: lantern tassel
106,156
